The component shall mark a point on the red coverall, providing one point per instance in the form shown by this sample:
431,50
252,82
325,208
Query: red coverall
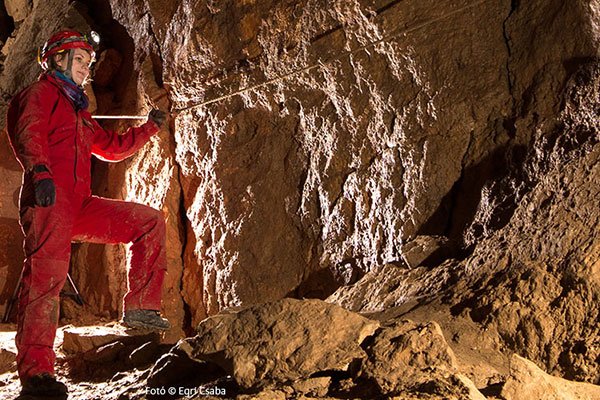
44,128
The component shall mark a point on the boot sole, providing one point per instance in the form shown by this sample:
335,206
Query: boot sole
141,325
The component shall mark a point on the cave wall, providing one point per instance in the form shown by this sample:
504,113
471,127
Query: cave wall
383,122
530,287
372,124
323,175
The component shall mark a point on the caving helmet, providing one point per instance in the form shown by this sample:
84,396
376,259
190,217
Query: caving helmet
67,40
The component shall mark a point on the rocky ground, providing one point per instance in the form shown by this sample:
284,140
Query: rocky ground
300,349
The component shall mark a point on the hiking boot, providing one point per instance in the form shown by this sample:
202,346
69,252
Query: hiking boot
43,386
146,319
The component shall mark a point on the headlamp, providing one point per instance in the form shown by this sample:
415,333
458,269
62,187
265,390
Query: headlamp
93,38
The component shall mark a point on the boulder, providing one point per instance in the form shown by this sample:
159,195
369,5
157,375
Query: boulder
282,341
528,381
407,357
77,340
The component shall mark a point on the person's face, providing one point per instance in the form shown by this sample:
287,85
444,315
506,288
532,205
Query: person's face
80,70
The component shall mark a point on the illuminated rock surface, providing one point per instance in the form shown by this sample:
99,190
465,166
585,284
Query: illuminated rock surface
281,341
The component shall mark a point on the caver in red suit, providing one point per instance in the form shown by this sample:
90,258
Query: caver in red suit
53,137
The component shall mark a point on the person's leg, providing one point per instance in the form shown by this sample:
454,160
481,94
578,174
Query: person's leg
47,247
113,221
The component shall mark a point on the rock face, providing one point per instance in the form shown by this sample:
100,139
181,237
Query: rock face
338,164
389,139
533,282
536,281
343,163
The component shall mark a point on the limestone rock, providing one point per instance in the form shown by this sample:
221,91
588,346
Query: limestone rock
402,349
532,284
281,341
18,9
144,354
77,340
7,46
80,340
536,280
351,192
107,66
176,368
314,387
472,392
7,360
406,357
528,381
391,286
421,248
378,147
104,354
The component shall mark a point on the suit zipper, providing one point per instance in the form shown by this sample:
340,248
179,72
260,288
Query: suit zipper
76,147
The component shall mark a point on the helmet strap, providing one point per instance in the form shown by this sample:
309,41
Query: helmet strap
68,73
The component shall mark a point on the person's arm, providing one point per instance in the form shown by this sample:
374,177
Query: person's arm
29,125
111,146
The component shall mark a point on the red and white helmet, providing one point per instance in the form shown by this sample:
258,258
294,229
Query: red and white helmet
67,40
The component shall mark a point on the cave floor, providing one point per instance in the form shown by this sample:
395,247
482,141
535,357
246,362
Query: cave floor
79,350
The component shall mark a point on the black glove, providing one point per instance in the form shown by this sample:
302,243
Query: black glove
158,117
45,192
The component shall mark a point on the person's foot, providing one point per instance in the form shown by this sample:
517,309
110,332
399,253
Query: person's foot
146,319
43,386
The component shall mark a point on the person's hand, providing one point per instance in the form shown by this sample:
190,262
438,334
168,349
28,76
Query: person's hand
158,117
45,192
